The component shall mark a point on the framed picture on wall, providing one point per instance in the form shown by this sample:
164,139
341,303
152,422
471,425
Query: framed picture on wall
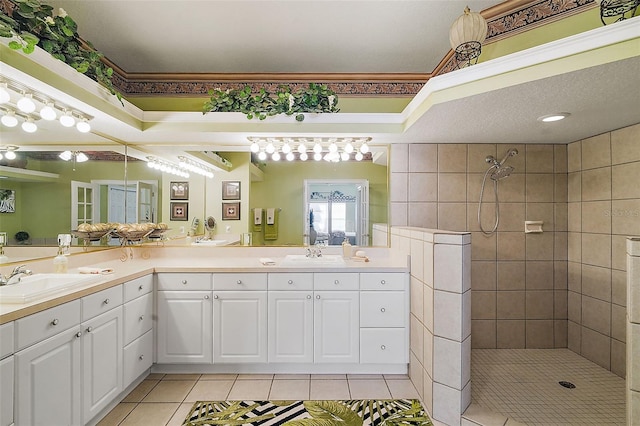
179,190
231,190
179,211
230,211
7,201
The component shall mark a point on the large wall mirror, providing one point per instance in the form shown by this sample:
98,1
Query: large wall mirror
51,196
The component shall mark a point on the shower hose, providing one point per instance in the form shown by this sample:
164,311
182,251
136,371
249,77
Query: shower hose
497,205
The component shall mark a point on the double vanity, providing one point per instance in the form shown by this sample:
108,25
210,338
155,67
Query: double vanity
70,357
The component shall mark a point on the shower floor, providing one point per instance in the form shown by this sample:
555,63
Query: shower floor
522,384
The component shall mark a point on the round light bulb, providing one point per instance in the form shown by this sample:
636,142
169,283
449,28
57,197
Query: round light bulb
47,112
275,156
317,156
10,155
67,119
81,157
359,156
26,104
348,148
290,156
344,156
29,126
9,119
286,148
262,156
302,148
317,148
364,148
270,148
150,164
304,156
4,94
83,126
255,147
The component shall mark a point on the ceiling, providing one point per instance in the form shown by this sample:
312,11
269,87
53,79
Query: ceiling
594,75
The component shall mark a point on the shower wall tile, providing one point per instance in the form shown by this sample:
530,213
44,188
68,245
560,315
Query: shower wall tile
619,287
543,212
560,304
423,158
574,157
560,275
560,158
483,275
539,304
399,214
452,216
422,187
624,145
452,187
452,158
483,305
596,151
574,246
512,217
511,246
619,323
596,217
624,181
423,215
596,282
574,307
560,334
596,315
625,216
512,189
539,187
596,184
560,188
474,185
511,275
574,336
539,246
619,358
510,334
539,159
539,275
574,186
596,249
476,157
510,305
539,334
574,213
561,219
574,276
399,157
399,187
483,247
560,246
618,252
483,333
596,347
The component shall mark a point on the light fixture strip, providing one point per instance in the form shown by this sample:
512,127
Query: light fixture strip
195,167
334,149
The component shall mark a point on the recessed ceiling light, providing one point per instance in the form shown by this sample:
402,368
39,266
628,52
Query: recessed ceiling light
554,117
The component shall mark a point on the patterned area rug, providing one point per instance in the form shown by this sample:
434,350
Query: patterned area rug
389,412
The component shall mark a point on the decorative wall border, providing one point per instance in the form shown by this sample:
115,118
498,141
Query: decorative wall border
504,20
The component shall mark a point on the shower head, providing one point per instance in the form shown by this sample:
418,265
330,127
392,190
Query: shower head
509,153
501,173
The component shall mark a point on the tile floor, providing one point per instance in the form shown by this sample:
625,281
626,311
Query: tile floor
165,399
522,384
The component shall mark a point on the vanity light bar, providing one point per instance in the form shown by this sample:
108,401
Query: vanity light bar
329,149
166,167
8,152
195,167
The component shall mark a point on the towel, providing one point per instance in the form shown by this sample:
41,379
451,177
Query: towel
267,261
271,227
87,270
257,219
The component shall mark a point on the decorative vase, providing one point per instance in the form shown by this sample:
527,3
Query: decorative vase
313,234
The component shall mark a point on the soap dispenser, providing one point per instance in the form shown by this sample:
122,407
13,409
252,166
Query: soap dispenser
60,262
346,248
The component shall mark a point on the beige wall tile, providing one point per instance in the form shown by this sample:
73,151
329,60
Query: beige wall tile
561,187
596,347
539,159
423,157
560,333
574,213
483,305
539,304
624,181
417,298
596,315
416,336
619,287
574,246
512,188
559,275
423,215
543,212
477,153
427,361
561,217
511,275
452,157
483,334
399,187
619,323
539,246
399,214
399,158
483,275
560,158
452,187
560,304
596,184
510,305
574,186
596,282
574,336
539,187
596,151
596,217
539,275
512,217
421,187
487,214
574,307
618,358
625,216
452,216
574,276
415,372
474,185
596,249
483,247
619,252
574,156
539,334
511,246
510,334
560,246
624,144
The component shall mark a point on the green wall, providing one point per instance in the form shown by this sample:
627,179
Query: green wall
283,187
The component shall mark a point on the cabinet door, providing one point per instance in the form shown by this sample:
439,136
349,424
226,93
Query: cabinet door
240,324
184,327
48,380
336,326
101,362
290,326
6,390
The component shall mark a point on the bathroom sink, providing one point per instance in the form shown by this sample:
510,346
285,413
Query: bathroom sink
38,286
209,243
302,260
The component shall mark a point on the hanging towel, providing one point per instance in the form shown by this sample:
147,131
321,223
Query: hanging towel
257,219
271,226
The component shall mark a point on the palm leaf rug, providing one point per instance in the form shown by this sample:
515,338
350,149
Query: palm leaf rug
388,412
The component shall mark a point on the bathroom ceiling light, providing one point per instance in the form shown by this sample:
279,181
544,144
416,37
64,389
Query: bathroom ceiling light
47,112
29,126
81,157
83,126
67,119
553,117
66,155
4,93
10,155
195,166
8,152
9,119
26,104
341,147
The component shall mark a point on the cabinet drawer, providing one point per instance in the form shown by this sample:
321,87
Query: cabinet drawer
37,327
383,281
6,339
138,287
383,346
194,281
240,281
138,317
138,357
335,281
291,281
382,309
101,302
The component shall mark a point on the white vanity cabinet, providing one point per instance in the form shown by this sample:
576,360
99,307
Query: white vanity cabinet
336,317
290,317
6,373
240,318
138,328
185,318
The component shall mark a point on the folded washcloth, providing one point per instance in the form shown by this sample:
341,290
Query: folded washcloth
87,270
267,261
257,219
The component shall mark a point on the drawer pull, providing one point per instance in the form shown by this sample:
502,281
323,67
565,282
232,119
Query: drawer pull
383,347
239,282
382,310
206,297
308,296
55,321
336,282
317,296
89,329
215,297
290,282
106,301
141,357
79,334
141,317
184,282
140,288
383,282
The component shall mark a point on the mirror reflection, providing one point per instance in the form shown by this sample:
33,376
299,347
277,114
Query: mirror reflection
53,196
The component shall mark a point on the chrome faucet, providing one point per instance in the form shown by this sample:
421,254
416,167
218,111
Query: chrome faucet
18,272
